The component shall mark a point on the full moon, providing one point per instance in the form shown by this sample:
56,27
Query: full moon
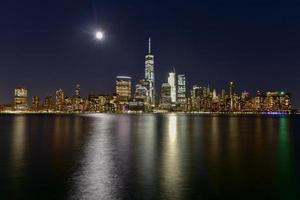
99,35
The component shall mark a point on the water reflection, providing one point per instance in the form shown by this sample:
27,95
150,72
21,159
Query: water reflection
172,156
96,178
286,174
18,145
171,172
146,154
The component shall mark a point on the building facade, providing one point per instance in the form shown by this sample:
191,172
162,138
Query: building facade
20,100
181,91
149,74
123,89
172,83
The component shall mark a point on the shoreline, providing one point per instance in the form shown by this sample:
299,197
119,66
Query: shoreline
155,113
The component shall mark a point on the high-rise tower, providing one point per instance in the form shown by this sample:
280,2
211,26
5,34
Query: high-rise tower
172,83
20,102
231,95
181,90
149,74
77,90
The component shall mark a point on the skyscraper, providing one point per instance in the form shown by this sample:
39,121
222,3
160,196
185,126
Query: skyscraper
231,88
149,74
35,105
123,88
172,83
181,92
20,102
165,96
77,91
231,95
59,100
141,90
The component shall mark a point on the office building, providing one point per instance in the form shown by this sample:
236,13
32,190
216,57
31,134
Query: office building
149,74
20,100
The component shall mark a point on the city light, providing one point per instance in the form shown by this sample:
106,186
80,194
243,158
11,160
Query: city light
173,96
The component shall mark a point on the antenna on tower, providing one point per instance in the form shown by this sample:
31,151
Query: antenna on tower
149,50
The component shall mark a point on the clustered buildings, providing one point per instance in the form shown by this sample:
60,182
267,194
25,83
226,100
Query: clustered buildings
172,96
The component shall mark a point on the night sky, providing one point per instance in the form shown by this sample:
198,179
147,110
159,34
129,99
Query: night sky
47,45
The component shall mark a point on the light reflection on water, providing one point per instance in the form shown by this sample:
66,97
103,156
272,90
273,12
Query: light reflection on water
171,169
172,156
95,178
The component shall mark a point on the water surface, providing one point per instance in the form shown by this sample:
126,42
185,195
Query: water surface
174,156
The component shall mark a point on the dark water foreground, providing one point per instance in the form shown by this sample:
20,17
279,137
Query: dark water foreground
149,157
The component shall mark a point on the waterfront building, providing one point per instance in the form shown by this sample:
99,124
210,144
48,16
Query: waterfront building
49,104
136,105
60,99
258,102
165,97
142,95
245,102
181,91
93,104
123,88
104,103
123,91
278,101
231,95
35,104
68,104
77,101
149,74
196,95
20,100
142,90
172,83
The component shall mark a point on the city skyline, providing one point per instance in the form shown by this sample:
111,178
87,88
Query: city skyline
174,96
150,99
254,43
142,96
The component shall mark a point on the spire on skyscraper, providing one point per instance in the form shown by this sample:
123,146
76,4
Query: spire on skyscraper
149,50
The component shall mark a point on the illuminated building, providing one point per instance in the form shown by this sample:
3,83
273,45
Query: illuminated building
35,104
196,95
123,91
48,104
200,99
142,95
277,102
20,100
214,95
97,103
93,103
68,104
59,100
149,74
245,102
181,92
231,95
113,103
136,105
172,83
258,102
165,96
104,103
77,101
77,91
141,90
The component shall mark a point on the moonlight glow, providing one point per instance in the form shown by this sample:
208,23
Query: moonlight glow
99,35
